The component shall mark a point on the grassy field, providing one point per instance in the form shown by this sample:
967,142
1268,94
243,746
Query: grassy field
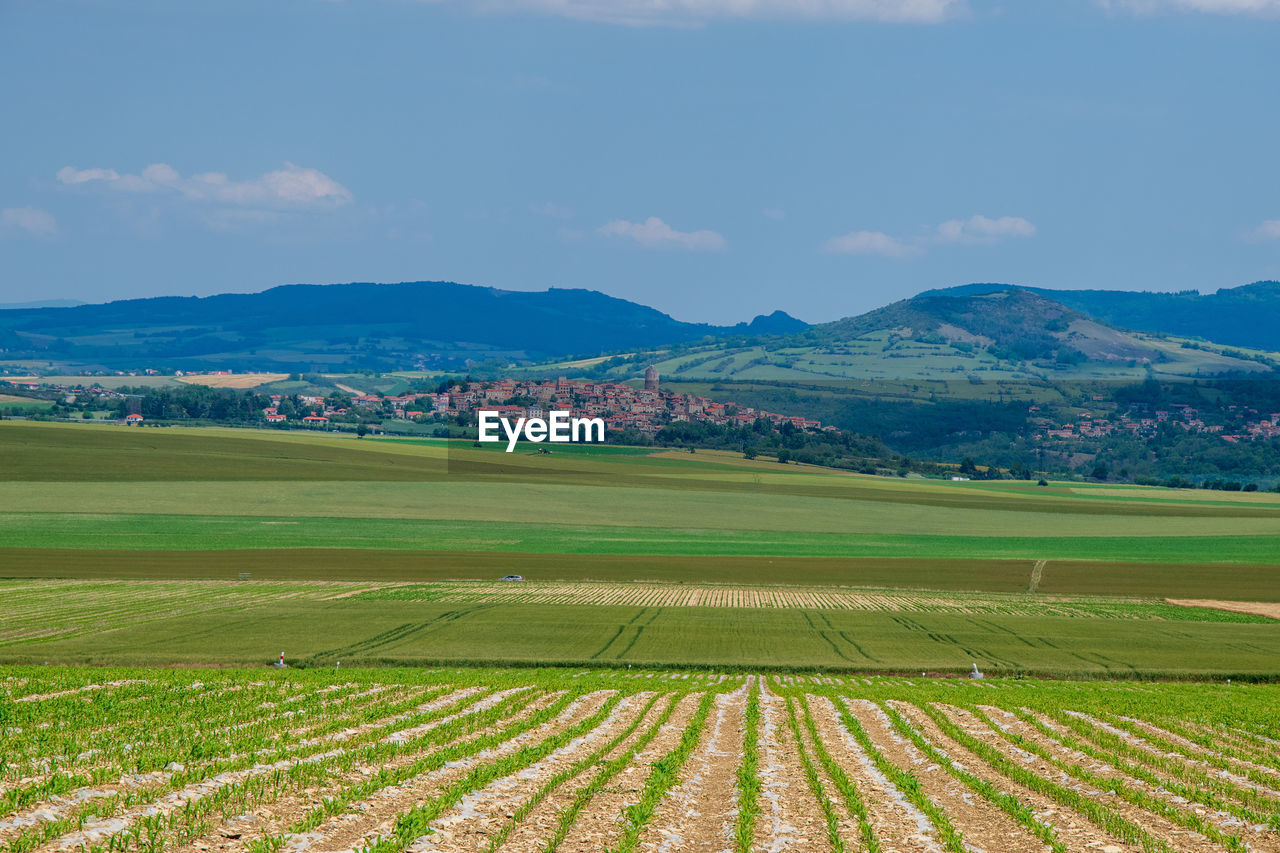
103,506
230,623
624,760
160,531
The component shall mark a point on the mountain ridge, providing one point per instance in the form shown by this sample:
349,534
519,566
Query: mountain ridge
1247,315
976,334
447,325
358,324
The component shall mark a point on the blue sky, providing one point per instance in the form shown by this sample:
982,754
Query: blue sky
713,158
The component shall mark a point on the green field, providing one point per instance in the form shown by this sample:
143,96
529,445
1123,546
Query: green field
395,760
120,508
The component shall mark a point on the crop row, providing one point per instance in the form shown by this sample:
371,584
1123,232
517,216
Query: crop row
384,762
779,597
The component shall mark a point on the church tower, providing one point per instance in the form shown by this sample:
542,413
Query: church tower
651,378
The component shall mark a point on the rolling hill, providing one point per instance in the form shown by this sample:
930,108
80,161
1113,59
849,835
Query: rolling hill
1247,316
329,327
978,335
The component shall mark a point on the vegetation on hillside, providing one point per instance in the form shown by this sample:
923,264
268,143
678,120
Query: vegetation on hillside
382,326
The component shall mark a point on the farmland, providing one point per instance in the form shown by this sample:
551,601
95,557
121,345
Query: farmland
706,653
486,760
128,546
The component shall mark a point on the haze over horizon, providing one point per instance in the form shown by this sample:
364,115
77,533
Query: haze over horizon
712,159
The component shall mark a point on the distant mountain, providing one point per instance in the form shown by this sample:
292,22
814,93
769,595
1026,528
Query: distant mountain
1246,316
973,335
42,303
330,327
1010,322
777,323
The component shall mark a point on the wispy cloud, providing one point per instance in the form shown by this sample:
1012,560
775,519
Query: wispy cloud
869,243
28,220
1257,8
692,12
975,229
1269,230
551,210
656,234
980,229
290,187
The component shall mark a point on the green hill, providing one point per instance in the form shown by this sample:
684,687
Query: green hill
1246,316
1009,335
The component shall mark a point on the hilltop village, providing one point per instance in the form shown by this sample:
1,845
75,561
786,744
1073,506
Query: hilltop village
645,410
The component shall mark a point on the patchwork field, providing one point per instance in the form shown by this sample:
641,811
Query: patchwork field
321,623
235,380
128,545
705,653
487,760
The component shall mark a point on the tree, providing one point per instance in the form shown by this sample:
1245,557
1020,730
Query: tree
1099,472
362,430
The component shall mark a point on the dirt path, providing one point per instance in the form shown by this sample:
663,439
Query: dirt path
376,815
699,813
1179,838
898,824
982,825
599,823
793,820
1258,836
1195,749
275,817
537,827
848,826
1260,746
480,815
60,807
1037,573
1193,760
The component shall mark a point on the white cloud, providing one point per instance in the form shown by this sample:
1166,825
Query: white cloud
32,220
975,229
290,187
1269,230
685,12
869,243
655,233
1257,8
980,229
69,175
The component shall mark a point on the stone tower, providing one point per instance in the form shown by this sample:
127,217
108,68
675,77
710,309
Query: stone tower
651,378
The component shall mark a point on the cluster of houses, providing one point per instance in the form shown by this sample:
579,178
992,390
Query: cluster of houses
1252,426
620,406
321,412
70,391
